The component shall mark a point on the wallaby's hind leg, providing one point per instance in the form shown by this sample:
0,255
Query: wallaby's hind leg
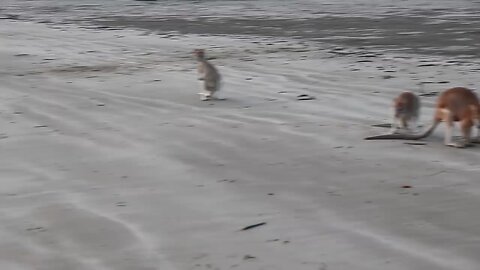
396,125
210,94
404,123
447,118
394,128
466,126
407,125
207,94
476,132
209,91
414,123
448,135
202,95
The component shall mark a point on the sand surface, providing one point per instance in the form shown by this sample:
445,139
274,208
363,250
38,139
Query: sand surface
109,160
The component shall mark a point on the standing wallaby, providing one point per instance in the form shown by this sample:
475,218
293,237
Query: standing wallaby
406,109
457,104
208,74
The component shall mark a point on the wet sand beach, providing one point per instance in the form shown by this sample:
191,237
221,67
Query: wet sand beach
109,160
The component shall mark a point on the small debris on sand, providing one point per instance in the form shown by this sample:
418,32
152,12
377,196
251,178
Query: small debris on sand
305,97
36,229
384,125
415,143
429,94
253,226
249,257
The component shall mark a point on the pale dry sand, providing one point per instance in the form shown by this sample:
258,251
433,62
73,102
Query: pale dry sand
109,160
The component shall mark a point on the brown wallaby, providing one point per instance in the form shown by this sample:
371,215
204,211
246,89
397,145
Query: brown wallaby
406,109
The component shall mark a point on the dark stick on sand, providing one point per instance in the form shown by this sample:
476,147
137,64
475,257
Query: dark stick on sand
415,143
253,226
386,125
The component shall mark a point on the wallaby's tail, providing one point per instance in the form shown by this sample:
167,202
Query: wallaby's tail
406,136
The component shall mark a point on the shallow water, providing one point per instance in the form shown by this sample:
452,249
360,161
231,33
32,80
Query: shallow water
437,27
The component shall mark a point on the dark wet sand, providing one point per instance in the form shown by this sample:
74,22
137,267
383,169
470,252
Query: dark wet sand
397,33
414,26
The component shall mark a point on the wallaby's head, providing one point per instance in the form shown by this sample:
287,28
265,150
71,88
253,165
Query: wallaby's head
405,104
199,53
